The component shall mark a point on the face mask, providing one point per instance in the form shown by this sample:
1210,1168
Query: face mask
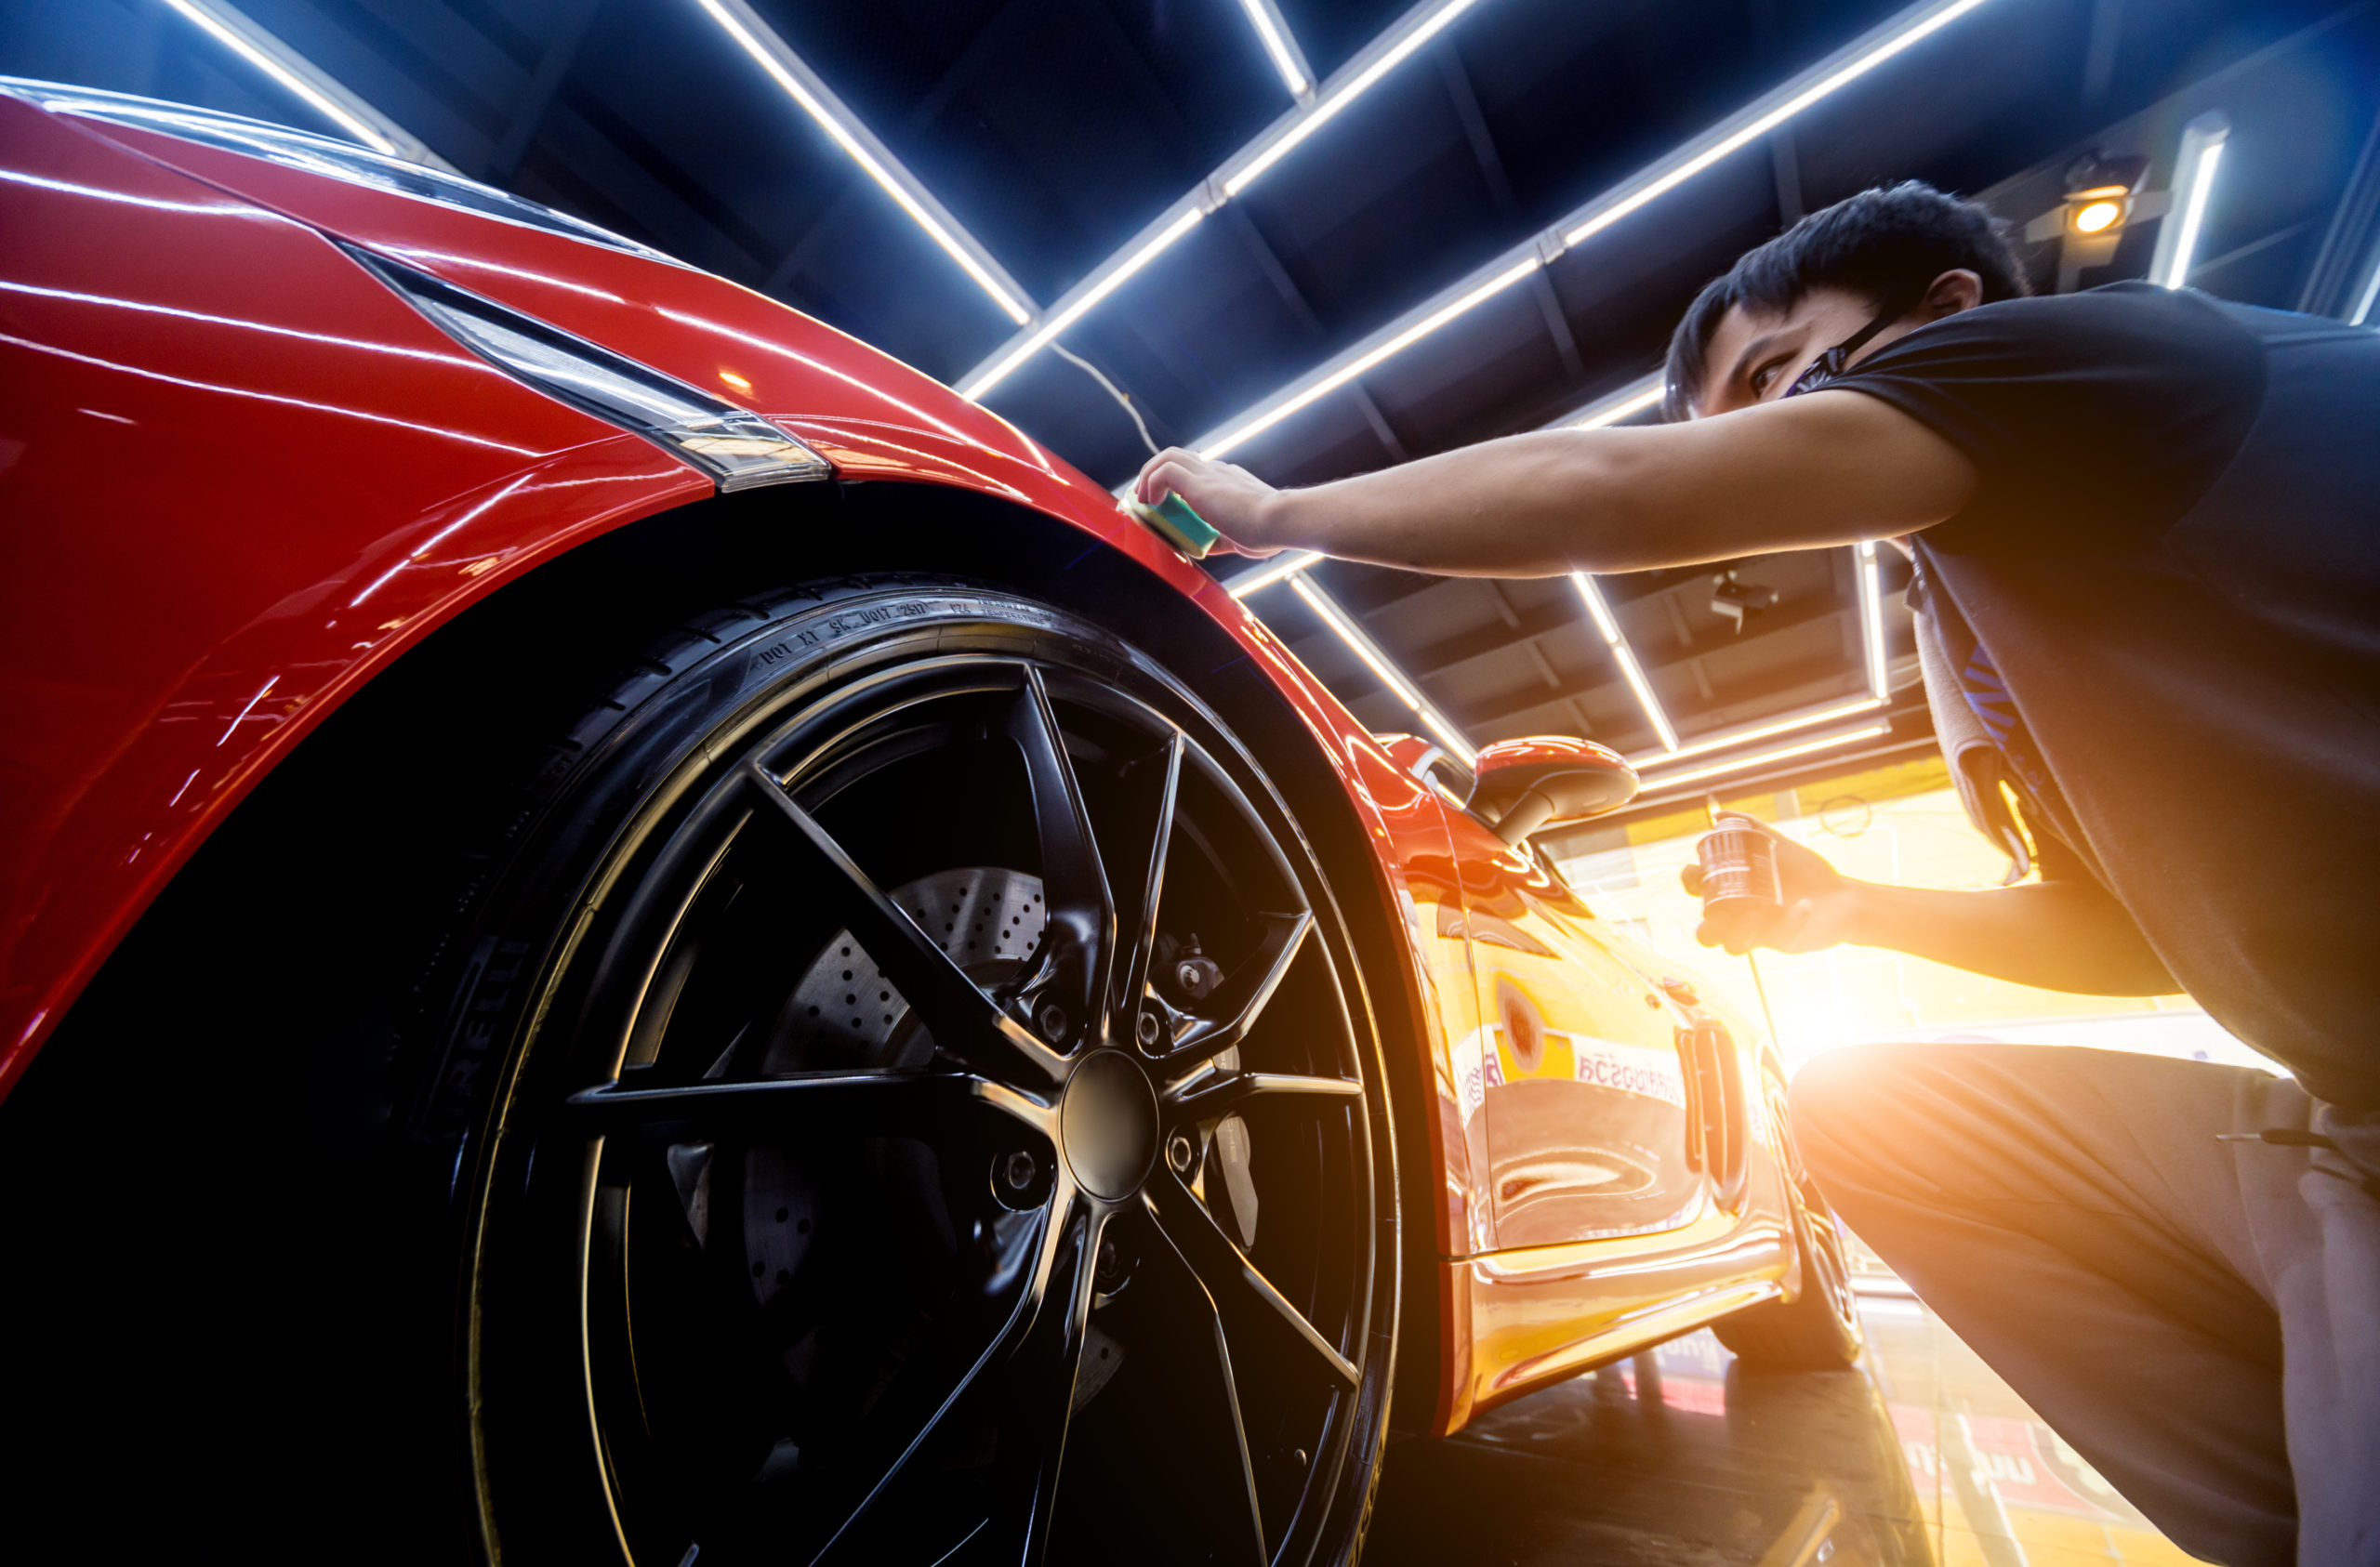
1830,366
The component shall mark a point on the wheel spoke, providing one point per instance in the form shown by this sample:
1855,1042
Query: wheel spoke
964,1021
855,1103
1078,940
1045,1368
1244,1293
1201,1309
1204,1098
1139,940
1240,999
931,1383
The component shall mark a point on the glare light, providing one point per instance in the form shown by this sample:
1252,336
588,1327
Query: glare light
1364,648
2202,153
1749,124
1287,58
756,38
735,382
1746,736
1287,565
2097,215
1784,753
1627,657
1039,338
285,65
1375,60
1872,618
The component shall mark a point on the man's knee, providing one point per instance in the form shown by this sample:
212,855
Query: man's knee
1853,1113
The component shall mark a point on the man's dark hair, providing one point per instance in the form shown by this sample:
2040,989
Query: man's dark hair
1885,245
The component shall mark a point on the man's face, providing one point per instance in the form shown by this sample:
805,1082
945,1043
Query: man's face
1756,356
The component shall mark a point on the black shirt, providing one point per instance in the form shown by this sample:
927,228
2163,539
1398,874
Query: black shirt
2173,562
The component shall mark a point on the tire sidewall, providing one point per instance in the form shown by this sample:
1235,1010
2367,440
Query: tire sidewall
504,999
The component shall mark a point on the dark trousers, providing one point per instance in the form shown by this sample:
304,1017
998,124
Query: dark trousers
2201,1319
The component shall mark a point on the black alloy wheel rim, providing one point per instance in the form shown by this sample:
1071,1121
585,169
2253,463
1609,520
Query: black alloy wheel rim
968,1267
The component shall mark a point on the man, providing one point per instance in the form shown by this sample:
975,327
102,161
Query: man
2147,532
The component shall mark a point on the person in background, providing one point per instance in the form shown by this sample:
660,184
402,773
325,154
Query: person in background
2145,530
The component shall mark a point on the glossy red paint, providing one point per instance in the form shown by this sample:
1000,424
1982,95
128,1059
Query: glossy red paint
239,475
242,478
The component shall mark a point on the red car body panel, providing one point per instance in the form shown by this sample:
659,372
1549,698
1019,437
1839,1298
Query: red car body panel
241,478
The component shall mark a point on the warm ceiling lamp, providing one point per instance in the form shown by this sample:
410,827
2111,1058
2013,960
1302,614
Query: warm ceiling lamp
2094,217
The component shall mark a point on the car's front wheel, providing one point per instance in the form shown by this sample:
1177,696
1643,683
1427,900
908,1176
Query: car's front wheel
910,1099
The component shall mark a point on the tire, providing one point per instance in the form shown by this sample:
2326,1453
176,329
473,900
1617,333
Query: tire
903,1093
1819,1329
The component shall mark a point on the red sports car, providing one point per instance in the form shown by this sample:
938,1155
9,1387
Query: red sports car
633,934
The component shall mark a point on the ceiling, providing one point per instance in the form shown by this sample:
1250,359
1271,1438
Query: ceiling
1055,131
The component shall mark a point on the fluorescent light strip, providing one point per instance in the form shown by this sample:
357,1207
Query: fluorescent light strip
1786,753
1371,63
1287,566
1904,31
1282,44
1039,338
2194,170
1364,648
1358,77
808,89
2370,291
1331,380
1746,736
1846,65
1627,657
1633,398
1872,618
300,76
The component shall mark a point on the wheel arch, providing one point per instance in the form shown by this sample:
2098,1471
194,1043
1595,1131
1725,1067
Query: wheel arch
442,703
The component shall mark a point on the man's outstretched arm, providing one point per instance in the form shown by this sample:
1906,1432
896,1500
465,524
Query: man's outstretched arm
2070,935
1806,472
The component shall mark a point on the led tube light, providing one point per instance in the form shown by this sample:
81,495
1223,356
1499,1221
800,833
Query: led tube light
1287,565
1760,732
1039,338
1281,45
1746,126
1633,398
808,89
2194,169
1784,753
307,81
1371,63
1364,648
1872,618
1627,657
1332,377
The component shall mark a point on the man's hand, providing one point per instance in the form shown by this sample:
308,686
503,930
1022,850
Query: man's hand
1817,911
1234,502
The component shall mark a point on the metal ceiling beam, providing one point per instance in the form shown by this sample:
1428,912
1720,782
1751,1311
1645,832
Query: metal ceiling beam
1749,124
317,88
2346,273
553,63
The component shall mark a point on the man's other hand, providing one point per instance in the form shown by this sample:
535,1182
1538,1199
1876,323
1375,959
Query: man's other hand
1234,502
1816,911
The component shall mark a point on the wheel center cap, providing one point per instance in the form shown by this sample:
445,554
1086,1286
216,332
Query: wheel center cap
1108,1125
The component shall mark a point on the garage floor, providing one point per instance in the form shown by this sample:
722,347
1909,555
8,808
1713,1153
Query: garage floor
1679,1459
